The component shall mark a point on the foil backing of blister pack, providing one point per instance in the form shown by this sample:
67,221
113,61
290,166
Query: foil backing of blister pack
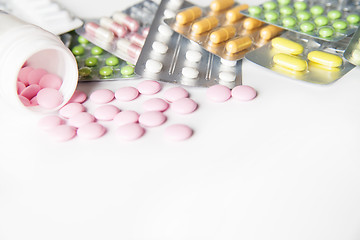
174,63
314,73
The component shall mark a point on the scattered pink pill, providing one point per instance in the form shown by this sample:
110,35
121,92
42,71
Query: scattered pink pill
34,101
243,93
155,104
218,93
63,133
152,119
81,119
49,98
91,131
149,87
71,109
78,97
50,122
176,93
130,132
24,101
126,94
184,106
178,132
102,96
20,86
23,75
35,75
106,112
50,81
30,91
126,117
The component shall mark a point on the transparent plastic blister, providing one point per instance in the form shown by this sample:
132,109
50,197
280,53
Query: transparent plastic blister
124,33
310,60
241,34
326,20
352,52
96,64
170,57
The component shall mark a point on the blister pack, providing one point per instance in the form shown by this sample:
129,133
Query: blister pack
303,58
124,33
222,30
327,20
94,63
352,52
170,57
47,14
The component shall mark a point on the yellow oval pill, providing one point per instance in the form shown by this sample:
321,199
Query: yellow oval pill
270,32
218,5
287,46
222,34
324,58
188,15
290,62
204,25
323,67
287,71
251,23
238,44
234,15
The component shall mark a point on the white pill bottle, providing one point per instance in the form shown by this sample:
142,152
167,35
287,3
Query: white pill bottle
21,43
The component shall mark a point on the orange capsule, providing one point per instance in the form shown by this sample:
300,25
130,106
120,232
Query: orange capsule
251,23
204,25
238,44
188,15
234,14
222,34
218,5
270,32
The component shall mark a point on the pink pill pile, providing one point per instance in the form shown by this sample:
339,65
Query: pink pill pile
220,93
37,87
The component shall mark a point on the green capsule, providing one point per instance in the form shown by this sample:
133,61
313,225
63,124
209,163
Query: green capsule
254,10
84,72
300,6
316,10
127,70
321,21
326,32
96,50
353,18
340,25
105,71
334,14
289,22
284,2
78,50
307,27
270,5
91,61
112,61
303,16
271,16
82,40
286,11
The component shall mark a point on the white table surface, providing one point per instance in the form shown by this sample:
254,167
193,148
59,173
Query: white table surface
285,166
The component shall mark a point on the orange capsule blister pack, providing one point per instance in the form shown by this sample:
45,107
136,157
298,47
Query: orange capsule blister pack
222,30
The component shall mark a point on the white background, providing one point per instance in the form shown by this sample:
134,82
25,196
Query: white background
285,166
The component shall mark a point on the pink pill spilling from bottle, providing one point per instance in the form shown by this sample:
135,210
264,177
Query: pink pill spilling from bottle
23,75
91,131
126,117
218,93
175,93
81,119
130,132
102,96
126,94
50,122
243,93
126,20
155,104
50,81
20,86
30,91
49,98
34,102
184,106
149,87
35,75
119,30
63,133
24,101
178,132
71,109
99,32
152,119
106,112
78,97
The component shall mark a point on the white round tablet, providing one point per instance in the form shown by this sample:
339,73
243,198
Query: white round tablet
190,72
193,56
228,62
159,47
227,76
165,30
153,66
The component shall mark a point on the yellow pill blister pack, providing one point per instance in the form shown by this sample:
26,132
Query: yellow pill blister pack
222,30
303,58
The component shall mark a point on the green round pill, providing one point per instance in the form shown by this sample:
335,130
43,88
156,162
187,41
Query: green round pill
321,21
316,10
84,72
112,61
127,70
254,10
82,40
284,2
353,18
303,16
271,16
286,11
340,25
78,50
105,71
270,5
307,27
334,14
300,6
289,21
326,32
97,50
91,61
